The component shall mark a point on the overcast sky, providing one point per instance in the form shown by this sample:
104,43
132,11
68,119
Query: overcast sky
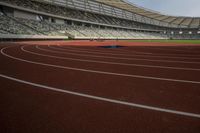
172,7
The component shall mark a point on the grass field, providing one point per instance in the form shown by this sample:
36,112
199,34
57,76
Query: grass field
171,41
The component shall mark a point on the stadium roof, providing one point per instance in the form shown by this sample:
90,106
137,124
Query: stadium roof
124,4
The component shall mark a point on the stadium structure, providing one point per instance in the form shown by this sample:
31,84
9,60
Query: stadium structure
90,19
97,66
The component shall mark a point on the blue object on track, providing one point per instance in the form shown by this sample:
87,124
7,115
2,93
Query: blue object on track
112,46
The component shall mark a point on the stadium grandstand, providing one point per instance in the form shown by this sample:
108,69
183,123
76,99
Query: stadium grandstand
90,19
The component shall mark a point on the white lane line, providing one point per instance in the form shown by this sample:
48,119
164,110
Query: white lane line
109,57
99,72
113,63
124,52
110,51
136,55
135,105
180,50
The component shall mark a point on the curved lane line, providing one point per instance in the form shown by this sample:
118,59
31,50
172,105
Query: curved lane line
103,98
101,56
124,52
86,51
105,62
194,52
99,72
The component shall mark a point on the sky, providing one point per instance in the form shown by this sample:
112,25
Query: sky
172,7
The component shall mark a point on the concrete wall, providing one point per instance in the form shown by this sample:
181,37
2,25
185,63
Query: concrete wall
26,15
60,21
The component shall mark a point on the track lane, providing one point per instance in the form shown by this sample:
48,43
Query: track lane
125,55
131,91
119,70
161,63
122,68
167,50
33,109
125,51
53,49
121,51
28,108
187,50
107,62
102,98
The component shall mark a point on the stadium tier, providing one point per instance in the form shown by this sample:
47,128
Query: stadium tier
90,19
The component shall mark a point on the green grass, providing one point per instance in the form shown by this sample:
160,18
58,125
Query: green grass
169,41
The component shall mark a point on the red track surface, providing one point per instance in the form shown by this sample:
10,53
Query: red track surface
76,87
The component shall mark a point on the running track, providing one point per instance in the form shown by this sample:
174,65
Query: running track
77,87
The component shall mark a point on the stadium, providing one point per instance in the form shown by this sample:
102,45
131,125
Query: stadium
97,66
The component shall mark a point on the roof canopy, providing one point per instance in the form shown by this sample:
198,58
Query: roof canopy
122,4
